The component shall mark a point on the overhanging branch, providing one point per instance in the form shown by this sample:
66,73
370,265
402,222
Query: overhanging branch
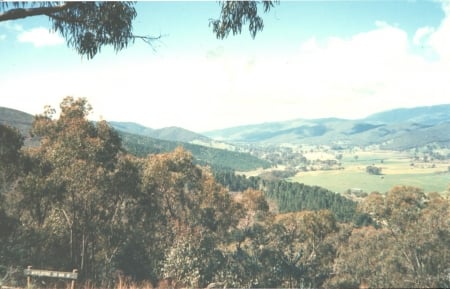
148,39
18,13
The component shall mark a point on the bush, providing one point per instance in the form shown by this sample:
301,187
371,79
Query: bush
373,170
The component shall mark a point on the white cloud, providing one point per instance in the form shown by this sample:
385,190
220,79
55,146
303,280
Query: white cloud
10,25
352,77
40,37
369,72
2,37
439,39
422,34
343,77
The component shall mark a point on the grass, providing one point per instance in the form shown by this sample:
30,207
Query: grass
121,284
396,169
340,181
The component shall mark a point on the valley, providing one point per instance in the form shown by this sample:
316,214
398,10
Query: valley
410,146
145,202
341,171
397,169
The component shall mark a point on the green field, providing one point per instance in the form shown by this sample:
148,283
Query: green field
396,169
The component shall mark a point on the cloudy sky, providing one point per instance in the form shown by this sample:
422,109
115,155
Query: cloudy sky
313,59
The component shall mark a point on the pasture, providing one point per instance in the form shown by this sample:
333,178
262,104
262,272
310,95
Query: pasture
397,169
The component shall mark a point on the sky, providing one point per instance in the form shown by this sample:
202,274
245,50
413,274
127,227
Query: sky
314,59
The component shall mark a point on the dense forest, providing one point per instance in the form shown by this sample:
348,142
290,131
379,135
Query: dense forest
80,200
216,158
291,197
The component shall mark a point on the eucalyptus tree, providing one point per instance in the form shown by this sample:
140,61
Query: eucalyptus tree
77,190
190,215
11,142
86,26
409,247
89,26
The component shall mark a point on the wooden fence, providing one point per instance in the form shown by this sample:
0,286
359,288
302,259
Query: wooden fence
50,274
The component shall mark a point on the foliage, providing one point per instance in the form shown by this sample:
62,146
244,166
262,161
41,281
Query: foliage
10,143
234,14
80,201
290,196
216,158
86,26
410,247
89,26
11,166
292,250
17,119
235,182
373,170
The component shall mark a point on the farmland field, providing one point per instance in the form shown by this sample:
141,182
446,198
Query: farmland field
397,169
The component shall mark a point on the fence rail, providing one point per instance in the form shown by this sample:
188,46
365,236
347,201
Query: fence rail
51,274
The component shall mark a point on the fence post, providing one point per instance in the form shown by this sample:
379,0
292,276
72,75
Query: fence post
29,278
73,280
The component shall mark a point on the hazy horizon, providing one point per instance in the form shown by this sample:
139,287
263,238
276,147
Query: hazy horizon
248,124
344,59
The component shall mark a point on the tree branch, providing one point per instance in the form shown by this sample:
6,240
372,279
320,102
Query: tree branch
18,13
147,39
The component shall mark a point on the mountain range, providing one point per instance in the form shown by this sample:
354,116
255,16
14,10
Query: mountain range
141,141
402,128
394,129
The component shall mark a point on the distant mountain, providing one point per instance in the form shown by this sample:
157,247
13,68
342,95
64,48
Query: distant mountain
172,133
20,120
168,133
217,158
427,115
395,129
139,144
132,127
15,118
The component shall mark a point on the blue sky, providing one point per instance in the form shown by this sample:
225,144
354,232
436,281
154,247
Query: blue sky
313,59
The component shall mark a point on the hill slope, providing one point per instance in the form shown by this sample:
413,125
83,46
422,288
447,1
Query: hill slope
217,158
142,145
427,115
168,133
395,129
15,118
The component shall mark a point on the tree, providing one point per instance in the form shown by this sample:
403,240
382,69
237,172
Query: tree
234,14
74,197
409,248
373,170
186,207
11,142
194,258
88,26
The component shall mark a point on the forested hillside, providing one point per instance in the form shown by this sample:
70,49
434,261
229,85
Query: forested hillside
216,158
80,200
397,129
292,197
140,144
167,133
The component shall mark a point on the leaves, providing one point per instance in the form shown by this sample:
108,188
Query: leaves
81,201
410,249
88,26
235,14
